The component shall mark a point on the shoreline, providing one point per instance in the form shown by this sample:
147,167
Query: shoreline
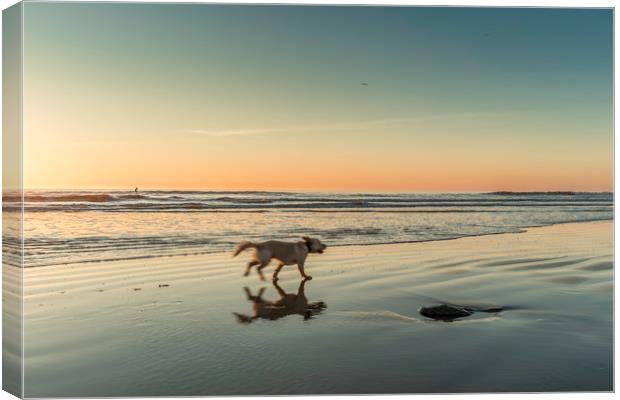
206,253
188,267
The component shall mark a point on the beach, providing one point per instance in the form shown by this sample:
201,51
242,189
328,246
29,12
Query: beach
182,325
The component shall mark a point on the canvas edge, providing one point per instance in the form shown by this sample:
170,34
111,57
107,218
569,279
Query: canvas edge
12,183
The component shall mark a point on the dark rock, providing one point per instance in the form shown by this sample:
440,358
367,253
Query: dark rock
449,312
445,312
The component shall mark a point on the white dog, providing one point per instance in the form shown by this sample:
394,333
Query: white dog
284,253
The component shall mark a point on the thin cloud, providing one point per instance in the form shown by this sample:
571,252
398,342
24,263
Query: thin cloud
430,117
366,124
230,132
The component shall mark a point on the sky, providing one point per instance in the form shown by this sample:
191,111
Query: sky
187,96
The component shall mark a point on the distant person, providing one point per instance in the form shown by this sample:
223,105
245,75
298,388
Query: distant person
135,190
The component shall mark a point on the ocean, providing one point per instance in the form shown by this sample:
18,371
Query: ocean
63,227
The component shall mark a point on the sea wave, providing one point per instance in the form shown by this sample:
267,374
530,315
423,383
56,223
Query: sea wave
357,199
95,198
80,226
557,193
159,201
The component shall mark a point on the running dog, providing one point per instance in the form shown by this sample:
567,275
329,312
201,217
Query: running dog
285,253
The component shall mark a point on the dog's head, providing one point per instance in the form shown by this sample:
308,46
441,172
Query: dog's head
314,245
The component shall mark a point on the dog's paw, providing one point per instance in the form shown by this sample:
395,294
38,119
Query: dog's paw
308,277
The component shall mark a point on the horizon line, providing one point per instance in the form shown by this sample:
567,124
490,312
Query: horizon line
312,190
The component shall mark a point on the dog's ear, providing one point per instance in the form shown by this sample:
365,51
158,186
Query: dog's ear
306,239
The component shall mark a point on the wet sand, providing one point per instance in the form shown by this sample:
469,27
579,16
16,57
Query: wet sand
187,325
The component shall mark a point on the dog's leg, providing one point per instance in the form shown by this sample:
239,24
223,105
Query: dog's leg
249,267
281,291
248,293
259,269
275,273
300,265
300,290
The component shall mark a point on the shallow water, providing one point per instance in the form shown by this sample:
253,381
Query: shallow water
114,329
71,226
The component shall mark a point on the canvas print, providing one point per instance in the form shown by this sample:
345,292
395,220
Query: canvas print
229,199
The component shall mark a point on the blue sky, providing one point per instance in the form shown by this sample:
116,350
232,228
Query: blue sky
486,88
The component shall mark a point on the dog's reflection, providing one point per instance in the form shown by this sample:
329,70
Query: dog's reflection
287,304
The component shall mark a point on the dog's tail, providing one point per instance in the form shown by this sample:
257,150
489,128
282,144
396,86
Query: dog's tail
244,245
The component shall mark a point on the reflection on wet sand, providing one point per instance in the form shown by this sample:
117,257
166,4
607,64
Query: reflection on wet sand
287,304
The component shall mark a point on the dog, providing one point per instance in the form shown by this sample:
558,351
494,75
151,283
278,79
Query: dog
287,304
285,253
